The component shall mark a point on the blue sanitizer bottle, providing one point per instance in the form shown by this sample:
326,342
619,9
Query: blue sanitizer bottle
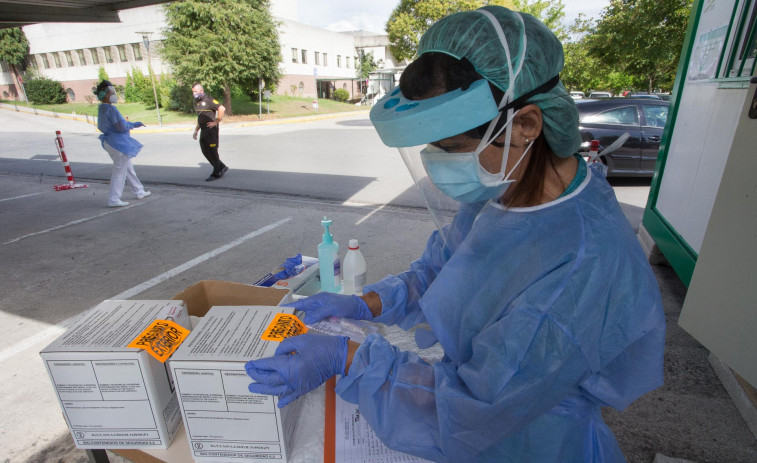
328,252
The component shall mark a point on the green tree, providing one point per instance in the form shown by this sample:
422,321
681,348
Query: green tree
366,65
642,38
102,75
13,50
411,18
221,43
550,12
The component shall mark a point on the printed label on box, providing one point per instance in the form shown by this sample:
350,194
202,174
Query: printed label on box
160,339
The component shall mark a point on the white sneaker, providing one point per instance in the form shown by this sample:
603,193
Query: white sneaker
144,194
118,203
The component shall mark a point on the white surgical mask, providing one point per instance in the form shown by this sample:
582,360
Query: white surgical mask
461,175
113,99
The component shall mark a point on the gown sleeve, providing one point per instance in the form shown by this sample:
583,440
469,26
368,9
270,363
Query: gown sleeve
521,367
400,294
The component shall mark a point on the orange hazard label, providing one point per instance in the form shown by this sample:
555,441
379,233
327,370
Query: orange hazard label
283,326
160,339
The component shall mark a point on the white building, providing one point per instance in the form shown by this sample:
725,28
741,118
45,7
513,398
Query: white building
74,53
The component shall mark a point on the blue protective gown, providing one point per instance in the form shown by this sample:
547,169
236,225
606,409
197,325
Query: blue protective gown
115,130
545,314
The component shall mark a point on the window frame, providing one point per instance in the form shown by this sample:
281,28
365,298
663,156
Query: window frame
69,58
56,60
317,58
122,58
304,54
82,58
108,55
45,61
136,49
95,55
325,59
339,61
295,55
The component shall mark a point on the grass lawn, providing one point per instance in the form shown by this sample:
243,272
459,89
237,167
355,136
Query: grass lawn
279,106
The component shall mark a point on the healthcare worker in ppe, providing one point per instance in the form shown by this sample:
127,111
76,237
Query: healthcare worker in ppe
119,144
537,291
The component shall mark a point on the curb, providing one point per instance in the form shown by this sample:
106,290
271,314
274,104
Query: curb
91,120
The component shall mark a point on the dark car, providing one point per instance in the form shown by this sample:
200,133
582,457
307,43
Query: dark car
607,119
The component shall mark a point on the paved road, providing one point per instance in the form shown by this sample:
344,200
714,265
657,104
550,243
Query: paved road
63,252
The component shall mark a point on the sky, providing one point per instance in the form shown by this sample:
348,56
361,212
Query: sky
371,15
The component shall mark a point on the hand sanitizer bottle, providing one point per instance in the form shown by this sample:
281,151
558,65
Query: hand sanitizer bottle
353,270
328,251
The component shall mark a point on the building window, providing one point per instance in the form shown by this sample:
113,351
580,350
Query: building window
122,53
317,58
95,56
82,60
325,59
294,55
136,48
56,58
71,95
45,61
69,58
338,61
31,62
347,62
108,55
301,87
304,57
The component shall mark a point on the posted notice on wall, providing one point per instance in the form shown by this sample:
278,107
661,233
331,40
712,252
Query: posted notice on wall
350,439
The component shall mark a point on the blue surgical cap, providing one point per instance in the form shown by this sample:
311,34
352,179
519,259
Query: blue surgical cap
471,35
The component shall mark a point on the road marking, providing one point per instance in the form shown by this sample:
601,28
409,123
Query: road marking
22,196
60,328
75,222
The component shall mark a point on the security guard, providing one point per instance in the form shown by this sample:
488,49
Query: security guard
209,114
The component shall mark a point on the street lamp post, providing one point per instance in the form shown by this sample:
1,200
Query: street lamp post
146,41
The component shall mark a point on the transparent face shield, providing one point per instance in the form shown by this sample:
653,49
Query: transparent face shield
412,125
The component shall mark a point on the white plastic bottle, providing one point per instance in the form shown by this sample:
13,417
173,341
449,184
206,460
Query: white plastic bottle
353,270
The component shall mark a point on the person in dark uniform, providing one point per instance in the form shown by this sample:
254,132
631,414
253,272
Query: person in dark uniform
209,114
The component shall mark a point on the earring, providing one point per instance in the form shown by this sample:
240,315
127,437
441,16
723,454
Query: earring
527,141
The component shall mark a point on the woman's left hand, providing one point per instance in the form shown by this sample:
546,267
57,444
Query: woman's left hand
300,364
139,124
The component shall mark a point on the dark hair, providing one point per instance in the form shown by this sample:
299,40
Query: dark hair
436,73
102,87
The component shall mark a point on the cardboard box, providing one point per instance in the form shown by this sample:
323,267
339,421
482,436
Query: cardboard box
114,396
223,421
198,300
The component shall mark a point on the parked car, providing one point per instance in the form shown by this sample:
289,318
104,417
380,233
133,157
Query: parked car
576,95
600,95
607,119
651,96
663,96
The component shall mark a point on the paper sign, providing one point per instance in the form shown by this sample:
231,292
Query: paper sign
160,339
283,326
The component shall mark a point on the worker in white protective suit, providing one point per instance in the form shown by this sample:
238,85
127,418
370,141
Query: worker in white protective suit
119,144
538,290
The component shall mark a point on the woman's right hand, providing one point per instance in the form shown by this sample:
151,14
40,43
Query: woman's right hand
324,305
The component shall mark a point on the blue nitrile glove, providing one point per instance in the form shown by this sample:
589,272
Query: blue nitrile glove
301,364
324,305
138,124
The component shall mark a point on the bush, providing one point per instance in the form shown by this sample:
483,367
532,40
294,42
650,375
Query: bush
41,90
181,99
341,95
